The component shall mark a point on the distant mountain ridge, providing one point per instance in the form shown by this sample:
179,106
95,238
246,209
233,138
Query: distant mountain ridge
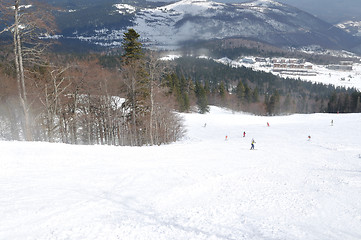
172,25
332,11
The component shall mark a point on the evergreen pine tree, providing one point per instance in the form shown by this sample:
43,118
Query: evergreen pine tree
168,83
222,91
202,101
247,93
135,78
272,103
240,91
354,100
346,104
132,47
180,88
332,103
255,95
184,107
287,104
207,88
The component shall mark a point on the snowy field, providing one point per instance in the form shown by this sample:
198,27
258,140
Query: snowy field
347,79
337,78
202,187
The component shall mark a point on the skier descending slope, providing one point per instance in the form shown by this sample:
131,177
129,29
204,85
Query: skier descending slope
252,144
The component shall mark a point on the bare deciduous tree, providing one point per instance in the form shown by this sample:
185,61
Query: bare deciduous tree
156,69
26,22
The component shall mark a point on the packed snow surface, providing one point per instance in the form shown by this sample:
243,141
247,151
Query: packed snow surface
202,187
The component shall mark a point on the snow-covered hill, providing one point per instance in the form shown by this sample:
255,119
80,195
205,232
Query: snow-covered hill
265,20
353,27
200,188
320,73
175,24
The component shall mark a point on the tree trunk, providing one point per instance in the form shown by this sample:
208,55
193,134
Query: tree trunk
20,72
134,117
151,113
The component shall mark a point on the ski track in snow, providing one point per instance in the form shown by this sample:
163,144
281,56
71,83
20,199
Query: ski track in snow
202,187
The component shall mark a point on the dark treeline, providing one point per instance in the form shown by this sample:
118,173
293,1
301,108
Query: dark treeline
235,47
263,93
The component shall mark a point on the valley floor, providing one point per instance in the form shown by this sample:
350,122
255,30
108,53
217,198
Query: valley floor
202,187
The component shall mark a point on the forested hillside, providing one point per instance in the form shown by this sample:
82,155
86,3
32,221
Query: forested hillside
79,99
47,96
265,93
235,47
129,96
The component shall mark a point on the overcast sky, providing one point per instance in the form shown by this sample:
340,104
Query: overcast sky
332,11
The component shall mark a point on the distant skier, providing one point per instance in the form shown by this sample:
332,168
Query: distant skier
267,124
205,125
226,138
332,122
252,144
309,138
244,134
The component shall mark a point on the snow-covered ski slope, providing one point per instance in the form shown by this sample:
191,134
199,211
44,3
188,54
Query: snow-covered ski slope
202,187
